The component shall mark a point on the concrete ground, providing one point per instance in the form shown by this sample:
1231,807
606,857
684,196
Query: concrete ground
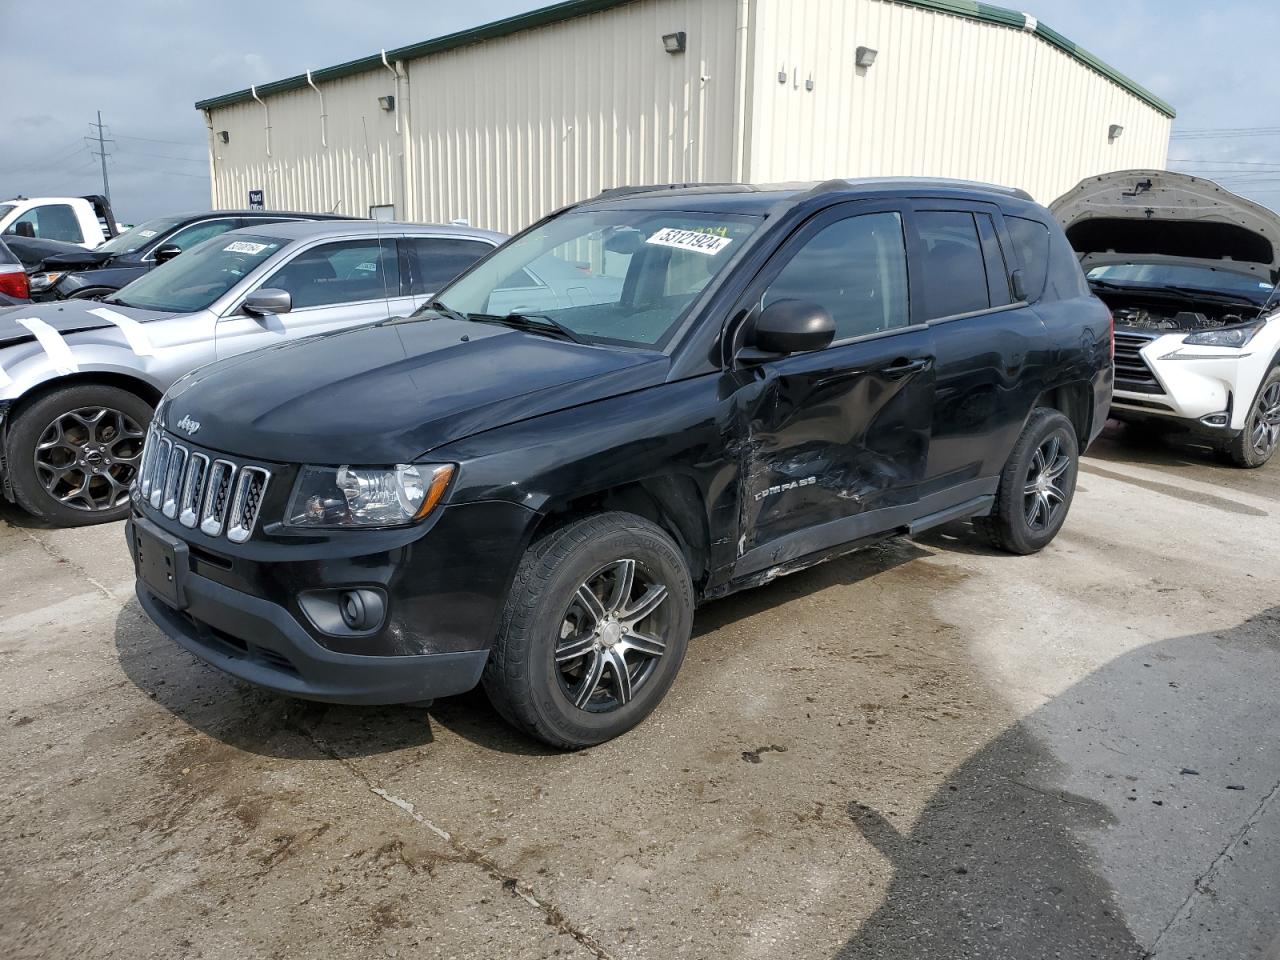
926,750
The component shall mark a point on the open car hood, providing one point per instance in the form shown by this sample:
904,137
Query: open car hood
1156,216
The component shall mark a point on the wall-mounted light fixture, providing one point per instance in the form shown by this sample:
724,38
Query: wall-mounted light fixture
864,57
224,136
674,42
1114,131
387,103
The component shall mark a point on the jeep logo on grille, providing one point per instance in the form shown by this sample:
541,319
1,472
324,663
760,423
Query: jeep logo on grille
189,425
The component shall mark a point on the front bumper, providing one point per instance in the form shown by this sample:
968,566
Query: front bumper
243,608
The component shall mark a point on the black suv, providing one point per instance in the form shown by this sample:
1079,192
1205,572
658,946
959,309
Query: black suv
93,274
532,483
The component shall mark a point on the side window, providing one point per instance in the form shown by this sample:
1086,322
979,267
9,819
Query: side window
188,237
1030,240
437,260
953,272
857,269
345,272
54,221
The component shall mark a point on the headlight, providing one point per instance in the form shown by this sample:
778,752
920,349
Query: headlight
350,496
1236,336
43,281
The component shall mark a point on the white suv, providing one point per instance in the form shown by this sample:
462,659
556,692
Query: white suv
1189,271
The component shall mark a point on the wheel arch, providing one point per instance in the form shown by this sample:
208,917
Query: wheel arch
1075,402
141,388
671,501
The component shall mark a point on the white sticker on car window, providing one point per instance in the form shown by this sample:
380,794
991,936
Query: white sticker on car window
146,233
244,246
693,240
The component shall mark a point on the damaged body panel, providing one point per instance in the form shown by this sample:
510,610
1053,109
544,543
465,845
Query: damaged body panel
1188,270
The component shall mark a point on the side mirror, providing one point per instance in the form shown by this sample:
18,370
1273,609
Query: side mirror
166,252
268,300
791,326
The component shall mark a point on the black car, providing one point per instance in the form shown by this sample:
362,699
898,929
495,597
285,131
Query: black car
92,274
743,382
33,251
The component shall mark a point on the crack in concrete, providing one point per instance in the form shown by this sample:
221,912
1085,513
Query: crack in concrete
57,555
552,914
1201,885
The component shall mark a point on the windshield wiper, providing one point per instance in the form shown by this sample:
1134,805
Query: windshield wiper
1203,294
116,301
531,323
439,306
1173,290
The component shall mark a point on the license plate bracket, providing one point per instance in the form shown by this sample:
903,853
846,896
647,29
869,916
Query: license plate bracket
161,561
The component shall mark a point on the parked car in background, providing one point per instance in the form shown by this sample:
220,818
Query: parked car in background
93,274
78,379
33,252
13,278
85,221
1189,272
731,384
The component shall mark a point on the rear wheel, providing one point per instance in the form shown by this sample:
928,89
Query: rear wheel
1036,486
74,452
594,631
1260,437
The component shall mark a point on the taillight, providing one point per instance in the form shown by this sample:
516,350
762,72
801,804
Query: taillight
13,282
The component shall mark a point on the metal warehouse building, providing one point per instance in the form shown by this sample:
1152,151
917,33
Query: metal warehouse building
503,123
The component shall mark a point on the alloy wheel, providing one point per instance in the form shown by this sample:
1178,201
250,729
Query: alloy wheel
1266,422
612,636
1043,496
86,458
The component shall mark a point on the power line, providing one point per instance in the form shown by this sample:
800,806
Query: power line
165,156
177,143
76,146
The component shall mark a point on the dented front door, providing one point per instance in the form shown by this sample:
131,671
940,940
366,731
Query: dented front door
836,436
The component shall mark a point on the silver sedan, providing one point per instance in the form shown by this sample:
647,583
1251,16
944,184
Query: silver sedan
78,379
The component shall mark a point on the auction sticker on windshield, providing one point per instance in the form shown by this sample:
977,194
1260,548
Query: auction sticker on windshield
693,240
244,246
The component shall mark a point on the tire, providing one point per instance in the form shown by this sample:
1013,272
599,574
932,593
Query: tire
549,643
1046,449
1258,441
92,293
56,443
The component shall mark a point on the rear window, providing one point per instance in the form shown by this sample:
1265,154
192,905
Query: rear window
1031,244
954,271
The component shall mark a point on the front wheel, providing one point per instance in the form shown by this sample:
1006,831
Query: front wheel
73,453
593,632
1260,437
1036,485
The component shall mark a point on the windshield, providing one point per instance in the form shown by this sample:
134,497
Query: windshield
1207,279
200,276
131,241
623,276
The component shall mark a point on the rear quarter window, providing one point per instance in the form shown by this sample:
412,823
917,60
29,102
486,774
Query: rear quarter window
1030,240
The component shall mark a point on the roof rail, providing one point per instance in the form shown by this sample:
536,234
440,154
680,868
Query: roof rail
613,193
844,183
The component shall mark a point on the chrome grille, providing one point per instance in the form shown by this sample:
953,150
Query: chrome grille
213,511
173,480
200,490
246,503
1132,372
159,471
192,488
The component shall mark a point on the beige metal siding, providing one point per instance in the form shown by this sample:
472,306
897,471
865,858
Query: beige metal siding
946,96
510,129
301,173
503,132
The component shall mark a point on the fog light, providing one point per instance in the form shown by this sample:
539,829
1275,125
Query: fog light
1215,420
360,609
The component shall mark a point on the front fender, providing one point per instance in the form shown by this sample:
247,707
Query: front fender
28,366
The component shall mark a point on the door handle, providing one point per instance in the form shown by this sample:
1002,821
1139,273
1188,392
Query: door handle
902,366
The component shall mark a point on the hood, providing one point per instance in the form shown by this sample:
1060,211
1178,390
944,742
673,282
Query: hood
391,391
65,316
1156,216
81,258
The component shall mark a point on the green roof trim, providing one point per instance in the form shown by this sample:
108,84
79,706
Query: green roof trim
568,9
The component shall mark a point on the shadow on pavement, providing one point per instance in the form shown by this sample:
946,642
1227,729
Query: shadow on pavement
1088,829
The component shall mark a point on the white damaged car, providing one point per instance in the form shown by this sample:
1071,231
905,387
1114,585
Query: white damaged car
1189,272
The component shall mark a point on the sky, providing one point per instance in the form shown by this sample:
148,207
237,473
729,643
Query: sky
146,62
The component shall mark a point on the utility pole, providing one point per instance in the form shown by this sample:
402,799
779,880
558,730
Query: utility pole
101,154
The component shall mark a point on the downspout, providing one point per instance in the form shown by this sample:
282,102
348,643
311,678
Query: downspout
213,167
743,91
395,73
324,117
266,114
401,203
